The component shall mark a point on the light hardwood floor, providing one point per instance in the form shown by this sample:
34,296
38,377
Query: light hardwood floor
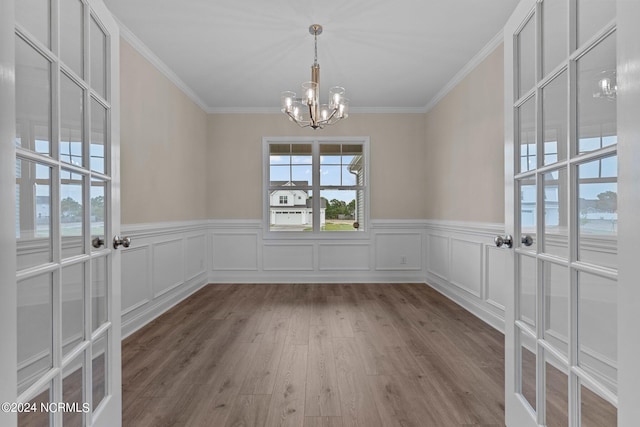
315,355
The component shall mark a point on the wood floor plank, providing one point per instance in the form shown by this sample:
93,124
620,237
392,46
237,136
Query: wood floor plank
356,401
262,373
321,388
323,422
340,317
249,411
288,399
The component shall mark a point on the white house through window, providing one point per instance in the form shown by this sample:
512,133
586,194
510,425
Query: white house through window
315,185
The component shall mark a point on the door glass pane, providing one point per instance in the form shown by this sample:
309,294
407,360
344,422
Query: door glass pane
73,392
71,35
595,411
98,59
556,306
340,210
290,164
527,296
38,417
554,119
98,134
528,214
72,307
556,241
33,214
33,99
98,292
528,368
597,97
71,122
99,366
527,135
526,45
556,395
71,213
555,41
35,330
593,15
34,16
598,327
598,211
98,213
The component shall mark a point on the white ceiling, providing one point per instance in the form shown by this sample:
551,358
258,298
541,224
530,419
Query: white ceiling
238,55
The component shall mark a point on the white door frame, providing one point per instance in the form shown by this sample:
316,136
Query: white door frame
514,408
628,151
629,212
8,289
110,410
110,414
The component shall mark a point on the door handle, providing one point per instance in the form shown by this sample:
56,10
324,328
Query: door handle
506,240
526,240
97,242
121,241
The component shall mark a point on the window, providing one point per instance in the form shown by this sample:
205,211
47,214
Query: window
322,183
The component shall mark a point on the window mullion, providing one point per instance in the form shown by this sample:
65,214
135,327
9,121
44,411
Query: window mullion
315,191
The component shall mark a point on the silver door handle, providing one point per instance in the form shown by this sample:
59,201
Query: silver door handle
526,240
121,241
97,242
506,240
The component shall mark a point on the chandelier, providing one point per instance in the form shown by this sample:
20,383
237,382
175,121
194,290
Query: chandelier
306,110
606,86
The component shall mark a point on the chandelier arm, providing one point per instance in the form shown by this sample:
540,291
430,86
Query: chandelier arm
333,113
296,121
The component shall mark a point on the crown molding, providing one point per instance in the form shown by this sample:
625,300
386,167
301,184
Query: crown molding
464,72
352,110
144,50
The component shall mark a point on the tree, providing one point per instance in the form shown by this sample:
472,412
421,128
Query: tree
607,201
70,209
97,208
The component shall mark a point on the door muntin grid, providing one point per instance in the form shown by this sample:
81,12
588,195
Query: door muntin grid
63,193
560,282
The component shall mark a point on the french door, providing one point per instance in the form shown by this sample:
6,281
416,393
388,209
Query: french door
63,193
562,193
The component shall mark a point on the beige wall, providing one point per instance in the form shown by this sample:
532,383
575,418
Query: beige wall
465,148
163,142
397,153
178,163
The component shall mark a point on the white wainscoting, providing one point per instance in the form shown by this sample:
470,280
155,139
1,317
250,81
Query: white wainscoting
464,264
168,261
165,263
392,251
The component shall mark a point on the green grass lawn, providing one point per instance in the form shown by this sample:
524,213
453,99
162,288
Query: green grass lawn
332,226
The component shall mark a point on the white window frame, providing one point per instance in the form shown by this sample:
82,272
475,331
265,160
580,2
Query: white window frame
316,188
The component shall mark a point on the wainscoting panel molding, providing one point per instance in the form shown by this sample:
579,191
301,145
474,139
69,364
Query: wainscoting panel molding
165,263
136,274
466,261
168,261
288,257
168,265
464,264
344,257
399,251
